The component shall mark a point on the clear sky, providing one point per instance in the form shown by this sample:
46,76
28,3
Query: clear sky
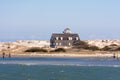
38,19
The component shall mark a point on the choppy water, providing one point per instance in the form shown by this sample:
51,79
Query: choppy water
44,68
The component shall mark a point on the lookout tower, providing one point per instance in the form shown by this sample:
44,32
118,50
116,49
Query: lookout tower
67,31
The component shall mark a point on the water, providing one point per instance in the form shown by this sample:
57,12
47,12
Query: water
46,68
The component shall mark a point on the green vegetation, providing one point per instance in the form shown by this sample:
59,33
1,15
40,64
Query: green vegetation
93,48
113,45
81,44
106,48
118,49
36,49
109,48
59,50
84,45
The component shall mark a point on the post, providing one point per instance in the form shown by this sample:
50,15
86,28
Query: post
9,55
3,55
114,56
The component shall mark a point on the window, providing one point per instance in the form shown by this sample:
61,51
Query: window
56,38
70,38
53,43
69,44
60,44
56,44
61,38
76,38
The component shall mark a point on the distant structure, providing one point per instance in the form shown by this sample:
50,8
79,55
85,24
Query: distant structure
65,39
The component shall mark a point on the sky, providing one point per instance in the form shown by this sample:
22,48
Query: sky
38,19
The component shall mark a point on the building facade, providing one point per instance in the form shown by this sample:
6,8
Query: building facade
65,39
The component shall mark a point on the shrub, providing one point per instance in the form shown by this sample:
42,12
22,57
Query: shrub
36,49
77,43
84,45
59,50
113,45
93,48
118,49
106,48
81,44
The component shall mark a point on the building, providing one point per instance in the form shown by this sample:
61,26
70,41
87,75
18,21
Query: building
65,39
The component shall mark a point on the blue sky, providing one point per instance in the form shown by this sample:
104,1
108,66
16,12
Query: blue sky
38,19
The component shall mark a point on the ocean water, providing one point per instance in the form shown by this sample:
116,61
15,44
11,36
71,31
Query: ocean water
50,68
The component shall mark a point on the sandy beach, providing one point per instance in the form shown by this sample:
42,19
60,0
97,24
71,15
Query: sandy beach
97,55
18,48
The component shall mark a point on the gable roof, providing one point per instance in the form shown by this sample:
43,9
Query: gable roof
65,36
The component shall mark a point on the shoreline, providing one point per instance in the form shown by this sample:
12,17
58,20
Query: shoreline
64,55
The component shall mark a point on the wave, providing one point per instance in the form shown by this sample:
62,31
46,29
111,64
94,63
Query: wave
62,63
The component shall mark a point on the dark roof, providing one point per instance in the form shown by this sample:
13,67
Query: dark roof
65,36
